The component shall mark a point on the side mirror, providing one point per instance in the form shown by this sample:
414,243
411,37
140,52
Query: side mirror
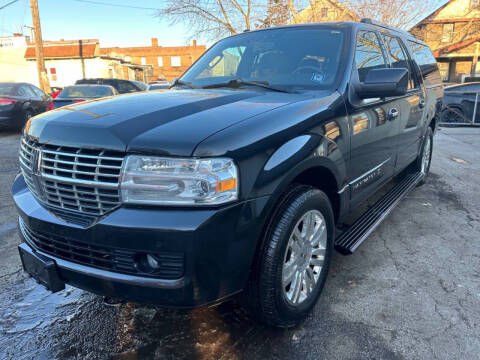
381,83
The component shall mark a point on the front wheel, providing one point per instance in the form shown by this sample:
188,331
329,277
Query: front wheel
292,266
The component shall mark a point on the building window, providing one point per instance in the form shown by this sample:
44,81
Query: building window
53,74
474,4
143,61
447,35
175,61
324,12
160,61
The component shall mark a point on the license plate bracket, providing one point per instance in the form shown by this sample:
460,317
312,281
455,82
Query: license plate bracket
42,269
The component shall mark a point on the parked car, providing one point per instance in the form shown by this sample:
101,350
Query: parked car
159,86
78,93
459,103
19,102
122,86
55,90
237,179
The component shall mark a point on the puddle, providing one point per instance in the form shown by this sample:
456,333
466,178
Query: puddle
33,307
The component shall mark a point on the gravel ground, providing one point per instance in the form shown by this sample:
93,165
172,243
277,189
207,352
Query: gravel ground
412,291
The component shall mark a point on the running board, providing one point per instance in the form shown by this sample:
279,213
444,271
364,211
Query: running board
361,229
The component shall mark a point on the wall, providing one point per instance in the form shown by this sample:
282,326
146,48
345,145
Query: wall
70,70
188,54
334,12
13,66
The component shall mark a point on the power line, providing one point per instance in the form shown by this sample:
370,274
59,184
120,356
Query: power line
10,3
116,5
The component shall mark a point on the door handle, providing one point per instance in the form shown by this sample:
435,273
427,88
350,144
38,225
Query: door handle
421,104
393,114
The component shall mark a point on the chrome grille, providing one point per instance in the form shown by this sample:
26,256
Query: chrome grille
27,148
79,180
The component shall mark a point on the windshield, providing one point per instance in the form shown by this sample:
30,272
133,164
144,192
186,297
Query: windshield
85,92
289,58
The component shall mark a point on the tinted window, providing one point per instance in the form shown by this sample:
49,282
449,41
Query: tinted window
158,86
368,54
85,91
398,58
7,89
25,90
297,57
423,57
125,87
37,91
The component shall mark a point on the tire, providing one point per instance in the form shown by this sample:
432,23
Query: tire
424,159
272,296
26,116
453,115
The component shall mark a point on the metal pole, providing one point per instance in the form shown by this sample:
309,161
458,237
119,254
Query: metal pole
475,108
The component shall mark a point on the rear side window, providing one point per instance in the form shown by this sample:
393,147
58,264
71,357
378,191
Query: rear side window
398,58
126,87
368,54
37,91
423,57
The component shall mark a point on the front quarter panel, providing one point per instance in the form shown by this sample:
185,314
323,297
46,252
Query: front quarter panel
272,149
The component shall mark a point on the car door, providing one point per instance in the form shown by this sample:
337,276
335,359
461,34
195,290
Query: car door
410,110
32,98
43,99
373,127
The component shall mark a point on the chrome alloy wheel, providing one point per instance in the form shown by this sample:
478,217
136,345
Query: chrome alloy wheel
426,155
304,257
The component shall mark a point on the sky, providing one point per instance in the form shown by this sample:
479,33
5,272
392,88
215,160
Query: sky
89,19
113,25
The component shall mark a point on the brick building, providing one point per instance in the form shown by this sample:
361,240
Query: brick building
168,62
453,33
67,61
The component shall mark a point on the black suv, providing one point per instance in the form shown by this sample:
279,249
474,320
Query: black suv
121,85
236,179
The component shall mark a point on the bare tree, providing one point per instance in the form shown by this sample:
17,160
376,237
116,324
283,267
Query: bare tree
216,18
211,18
278,13
398,13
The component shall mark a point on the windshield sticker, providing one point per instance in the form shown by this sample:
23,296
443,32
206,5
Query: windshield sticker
318,77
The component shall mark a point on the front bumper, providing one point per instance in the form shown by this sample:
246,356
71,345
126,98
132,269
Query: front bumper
218,244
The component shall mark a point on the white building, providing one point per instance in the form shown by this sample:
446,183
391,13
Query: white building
67,61
13,65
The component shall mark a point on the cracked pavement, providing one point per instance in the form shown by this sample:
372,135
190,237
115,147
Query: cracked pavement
411,291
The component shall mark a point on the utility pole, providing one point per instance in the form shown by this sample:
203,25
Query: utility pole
42,74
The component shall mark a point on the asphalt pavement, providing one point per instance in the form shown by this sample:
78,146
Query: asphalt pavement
411,291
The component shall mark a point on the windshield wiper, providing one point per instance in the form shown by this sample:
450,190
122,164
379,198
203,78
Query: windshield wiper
236,83
183,83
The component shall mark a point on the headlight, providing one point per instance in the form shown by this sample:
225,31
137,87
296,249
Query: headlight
171,181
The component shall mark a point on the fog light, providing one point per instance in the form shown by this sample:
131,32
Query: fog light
147,263
152,262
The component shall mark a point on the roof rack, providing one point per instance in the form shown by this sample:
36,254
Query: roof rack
377,23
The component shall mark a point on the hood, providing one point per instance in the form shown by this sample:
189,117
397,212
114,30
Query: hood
164,123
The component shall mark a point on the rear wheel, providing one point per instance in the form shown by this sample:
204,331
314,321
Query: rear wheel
291,269
424,159
453,115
